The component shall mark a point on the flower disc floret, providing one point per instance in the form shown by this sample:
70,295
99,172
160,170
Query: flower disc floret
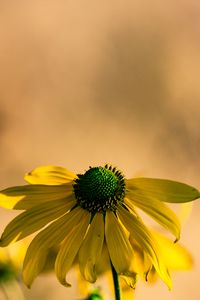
100,189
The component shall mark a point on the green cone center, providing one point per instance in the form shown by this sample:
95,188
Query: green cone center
99,189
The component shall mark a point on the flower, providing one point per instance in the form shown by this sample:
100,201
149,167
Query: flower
83,212
11,260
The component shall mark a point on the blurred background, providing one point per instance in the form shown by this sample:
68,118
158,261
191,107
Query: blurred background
92,82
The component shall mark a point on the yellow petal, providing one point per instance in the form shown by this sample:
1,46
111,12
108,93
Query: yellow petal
103,264
163,190
83,285
49,175
145,239
49,237
127,293
27,196
34,219
70,247
177,257
119,247
91,248
17,252
141,263
156,209
130,280
151,276
184,212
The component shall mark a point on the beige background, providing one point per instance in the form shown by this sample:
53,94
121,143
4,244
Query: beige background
89,82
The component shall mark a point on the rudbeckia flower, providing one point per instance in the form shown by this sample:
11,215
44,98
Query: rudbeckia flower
11,260
81,213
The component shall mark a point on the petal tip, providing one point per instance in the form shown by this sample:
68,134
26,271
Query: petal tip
28,283
65,283
176,240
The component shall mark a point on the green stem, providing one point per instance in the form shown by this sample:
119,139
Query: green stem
116,283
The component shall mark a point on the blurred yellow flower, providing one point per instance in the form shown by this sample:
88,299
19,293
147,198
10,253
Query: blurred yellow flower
85,211
11,261
176,257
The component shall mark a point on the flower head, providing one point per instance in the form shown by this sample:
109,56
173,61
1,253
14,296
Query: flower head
82,213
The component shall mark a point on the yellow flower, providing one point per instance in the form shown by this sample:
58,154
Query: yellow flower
81,213
11,261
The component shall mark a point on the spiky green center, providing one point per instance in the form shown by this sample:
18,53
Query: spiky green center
99,189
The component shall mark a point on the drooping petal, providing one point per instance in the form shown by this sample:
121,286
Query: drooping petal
141,263
49,237
91,248
162,189
49,175
119,247
145,239
69,249
130,280
126,292
34,219
156,209
27,196
103,264
177,257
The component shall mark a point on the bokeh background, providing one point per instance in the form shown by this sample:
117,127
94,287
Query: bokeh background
92,82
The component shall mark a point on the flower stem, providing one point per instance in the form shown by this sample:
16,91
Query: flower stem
116,283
